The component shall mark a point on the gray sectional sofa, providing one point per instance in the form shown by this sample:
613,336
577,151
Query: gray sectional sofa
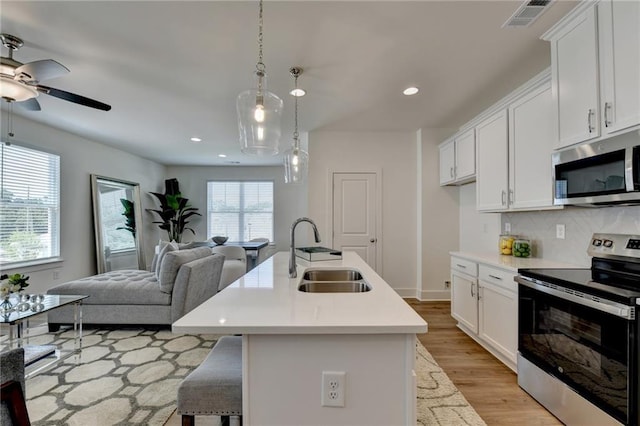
181,280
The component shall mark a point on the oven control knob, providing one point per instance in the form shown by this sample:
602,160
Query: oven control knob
596,242
561,370
607,243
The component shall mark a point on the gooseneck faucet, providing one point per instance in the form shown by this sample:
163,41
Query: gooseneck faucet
293,273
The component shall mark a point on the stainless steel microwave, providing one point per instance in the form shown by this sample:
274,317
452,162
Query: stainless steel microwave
599,174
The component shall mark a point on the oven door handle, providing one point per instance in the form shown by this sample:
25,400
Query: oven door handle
603,305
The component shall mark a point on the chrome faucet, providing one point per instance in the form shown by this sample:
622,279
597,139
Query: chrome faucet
293,273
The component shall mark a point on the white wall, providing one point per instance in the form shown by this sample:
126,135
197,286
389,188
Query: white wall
479,232
290,201
440,219
79,158
394,154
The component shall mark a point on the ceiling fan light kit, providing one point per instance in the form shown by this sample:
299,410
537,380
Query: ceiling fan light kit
259,111
21,82
296,160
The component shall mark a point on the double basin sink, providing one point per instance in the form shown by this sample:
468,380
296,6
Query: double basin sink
333,281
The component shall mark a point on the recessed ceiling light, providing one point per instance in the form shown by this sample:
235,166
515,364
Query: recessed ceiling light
410,91
222,155
298,92
194,139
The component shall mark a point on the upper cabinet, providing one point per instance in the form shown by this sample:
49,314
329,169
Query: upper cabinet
514,152
595,66
458,159
619,49
493,171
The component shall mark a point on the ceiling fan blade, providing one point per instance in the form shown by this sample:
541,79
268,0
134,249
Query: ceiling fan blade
72,97
40,70
30,104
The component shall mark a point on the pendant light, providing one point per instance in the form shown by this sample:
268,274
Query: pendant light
259,111
296,160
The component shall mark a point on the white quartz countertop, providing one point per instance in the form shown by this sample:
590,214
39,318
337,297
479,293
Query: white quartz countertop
511,263
267,301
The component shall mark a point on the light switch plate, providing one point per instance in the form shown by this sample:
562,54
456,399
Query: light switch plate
560,231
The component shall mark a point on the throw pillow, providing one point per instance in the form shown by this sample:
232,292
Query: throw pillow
172,262
172,246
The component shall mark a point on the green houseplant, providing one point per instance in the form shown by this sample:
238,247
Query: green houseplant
174,211
129,214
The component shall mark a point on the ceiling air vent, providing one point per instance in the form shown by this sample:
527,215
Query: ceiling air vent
527,13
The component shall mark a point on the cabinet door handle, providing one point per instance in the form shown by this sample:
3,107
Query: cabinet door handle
511,197
589,114
461,266
607,107
480,292
504,195
472,294
495,278
451,171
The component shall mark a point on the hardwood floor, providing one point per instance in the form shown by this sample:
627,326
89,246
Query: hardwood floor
489,386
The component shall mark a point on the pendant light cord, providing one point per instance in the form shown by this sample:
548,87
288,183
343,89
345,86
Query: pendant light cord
295,132
260,67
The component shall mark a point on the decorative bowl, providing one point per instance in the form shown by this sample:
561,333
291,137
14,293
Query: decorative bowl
219,240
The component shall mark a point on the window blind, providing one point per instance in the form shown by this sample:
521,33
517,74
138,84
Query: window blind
240,210
29,205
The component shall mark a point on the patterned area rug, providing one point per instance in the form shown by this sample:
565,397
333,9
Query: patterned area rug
122,377
127,377
439,401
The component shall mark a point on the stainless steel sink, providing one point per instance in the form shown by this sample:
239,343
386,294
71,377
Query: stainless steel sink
332,275
333,281
334,287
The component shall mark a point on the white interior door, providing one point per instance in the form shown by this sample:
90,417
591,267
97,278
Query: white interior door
354,214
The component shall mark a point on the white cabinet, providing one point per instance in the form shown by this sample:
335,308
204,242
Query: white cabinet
574,65
484,300
493,173
464,293
595,62
619,54
447,162
498,311
458,159
465,155
532,126
514,153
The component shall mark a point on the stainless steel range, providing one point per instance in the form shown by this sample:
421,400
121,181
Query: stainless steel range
578,335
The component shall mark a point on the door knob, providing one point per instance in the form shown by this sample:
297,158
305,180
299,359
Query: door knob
373,240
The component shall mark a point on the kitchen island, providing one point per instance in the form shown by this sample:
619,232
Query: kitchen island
290,338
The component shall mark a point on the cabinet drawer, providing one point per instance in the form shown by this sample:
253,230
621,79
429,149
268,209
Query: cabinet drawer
499,277
466,266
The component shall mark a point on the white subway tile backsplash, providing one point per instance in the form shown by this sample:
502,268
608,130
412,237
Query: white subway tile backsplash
580,223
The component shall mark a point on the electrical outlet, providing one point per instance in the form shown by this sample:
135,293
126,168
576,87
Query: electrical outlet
447,284
507,227
560,231
333,388
56,274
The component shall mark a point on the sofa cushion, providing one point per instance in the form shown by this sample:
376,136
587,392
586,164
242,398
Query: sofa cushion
125,287
172,261
164,249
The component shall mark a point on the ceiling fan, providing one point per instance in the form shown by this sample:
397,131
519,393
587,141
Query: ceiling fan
21,82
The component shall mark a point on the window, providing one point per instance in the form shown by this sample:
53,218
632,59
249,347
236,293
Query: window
29,205
240,210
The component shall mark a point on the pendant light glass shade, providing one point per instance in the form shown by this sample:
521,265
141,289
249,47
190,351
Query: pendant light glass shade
259,112
259,119
296,160
296,164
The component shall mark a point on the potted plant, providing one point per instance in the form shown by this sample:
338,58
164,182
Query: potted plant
174,211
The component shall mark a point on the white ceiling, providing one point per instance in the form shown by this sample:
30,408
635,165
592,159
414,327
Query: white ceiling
172,69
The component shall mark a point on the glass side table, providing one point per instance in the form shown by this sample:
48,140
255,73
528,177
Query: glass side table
18,322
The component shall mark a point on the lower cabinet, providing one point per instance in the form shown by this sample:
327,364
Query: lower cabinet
484,301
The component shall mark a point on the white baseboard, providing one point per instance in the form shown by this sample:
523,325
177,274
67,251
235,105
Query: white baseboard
434,295
406,293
